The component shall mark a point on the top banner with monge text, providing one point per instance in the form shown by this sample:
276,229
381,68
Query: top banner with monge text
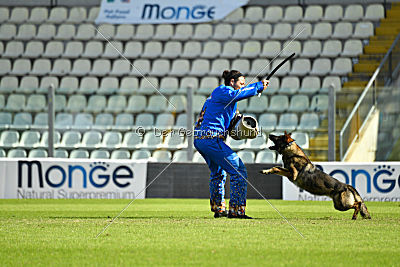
165,11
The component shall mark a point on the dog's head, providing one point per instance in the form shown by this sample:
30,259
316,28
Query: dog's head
281,142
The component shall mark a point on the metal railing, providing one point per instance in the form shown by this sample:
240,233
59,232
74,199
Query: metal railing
366,104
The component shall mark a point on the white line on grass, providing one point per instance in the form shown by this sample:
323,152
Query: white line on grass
267,200
294,38
119,214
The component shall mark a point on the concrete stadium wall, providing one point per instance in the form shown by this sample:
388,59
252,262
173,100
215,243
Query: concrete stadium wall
190,180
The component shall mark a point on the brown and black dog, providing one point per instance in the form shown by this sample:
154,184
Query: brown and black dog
298,168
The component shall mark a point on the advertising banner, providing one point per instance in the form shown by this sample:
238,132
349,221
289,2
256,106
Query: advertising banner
375,181
72,179
165,11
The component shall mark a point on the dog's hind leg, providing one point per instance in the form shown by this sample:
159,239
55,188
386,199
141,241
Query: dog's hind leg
356,207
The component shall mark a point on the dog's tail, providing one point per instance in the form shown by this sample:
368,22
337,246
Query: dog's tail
363,208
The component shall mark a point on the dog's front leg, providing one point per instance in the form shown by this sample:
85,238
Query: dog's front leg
294,171
278,170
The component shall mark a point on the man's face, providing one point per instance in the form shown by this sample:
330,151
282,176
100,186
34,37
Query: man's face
239,83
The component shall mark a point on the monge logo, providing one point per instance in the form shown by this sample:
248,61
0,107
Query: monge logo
76,176
381,179
155,11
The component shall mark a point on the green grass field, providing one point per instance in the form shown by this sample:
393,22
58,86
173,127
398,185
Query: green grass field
183,232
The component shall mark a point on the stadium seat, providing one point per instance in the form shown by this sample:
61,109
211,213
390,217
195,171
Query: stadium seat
231,49
258,143
60,102
202,32
290,47
293,14
271,49
111,140
289,85
91,139
71,139
253,14
151,141
251,49
40,121
2,153
186,82
308,122
343,30
282,31
342,66
108,86
302,31
313,13
332,80
61,153
88,85
68,85
259,67
28,85
374,12
352,48
100,67
198,158
16,153
45,82
145,120
140,67
278,103
131,140
63,121
287,122
165,121
333,13
21,67
332,48
273,14
8,83
15,102
258,104
235,144
322,31
54,49
319,102
177,104
124,32
82,67
180,156
44,142
22,121
180,67
300,67
152,49
265,157
353,13
76,103
211,49
172,49
301,139
113,50
181,121
4,14
120,154
160,67
9,138
128,85
7,31
282,71
168,85
116,104
200,67
41,67
261,31
246,156
157,103
46,32
242,31
30,139
93,49
58,15
79,154
363,30
35,103
148,86
103,121
192,49
65,32
310,85
163,32
14,49
105,32
141,154
85,32
83,121
311,48
96,104
93,13
26,32
77,15
183,32
198,102
299,103
217,65
5,120
162,156
207,85
2,102
174,141
61,67
136,104
321,66
222,31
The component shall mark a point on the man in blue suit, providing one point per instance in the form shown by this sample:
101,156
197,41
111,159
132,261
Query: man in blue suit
210,133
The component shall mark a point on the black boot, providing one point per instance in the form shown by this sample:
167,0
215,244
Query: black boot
219,214
244,216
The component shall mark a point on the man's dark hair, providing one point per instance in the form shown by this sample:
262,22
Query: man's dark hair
228,75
